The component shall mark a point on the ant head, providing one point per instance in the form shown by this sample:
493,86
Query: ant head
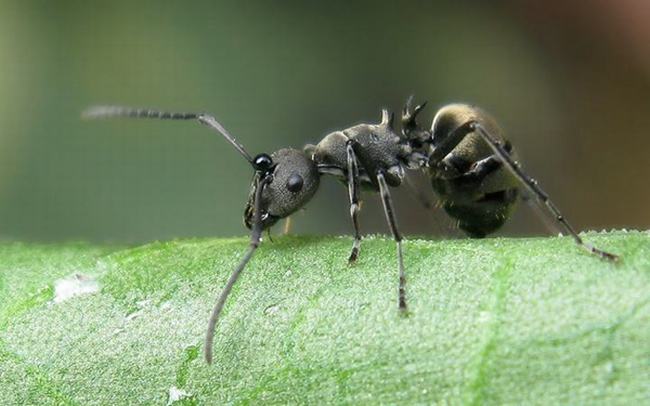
294,180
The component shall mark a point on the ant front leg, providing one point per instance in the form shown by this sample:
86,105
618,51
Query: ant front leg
353,191
392,223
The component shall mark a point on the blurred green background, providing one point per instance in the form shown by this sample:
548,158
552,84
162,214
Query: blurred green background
569,81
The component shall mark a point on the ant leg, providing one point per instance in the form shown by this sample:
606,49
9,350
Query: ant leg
392,223
481,169
443,148
419,194
256,238
353,191
531,201
532,185
287,226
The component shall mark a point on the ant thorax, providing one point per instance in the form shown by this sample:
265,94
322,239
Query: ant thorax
376,147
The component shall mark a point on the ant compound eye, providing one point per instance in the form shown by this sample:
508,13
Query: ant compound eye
294,183
263,162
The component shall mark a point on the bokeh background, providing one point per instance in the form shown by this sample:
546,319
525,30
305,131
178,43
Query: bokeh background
569,81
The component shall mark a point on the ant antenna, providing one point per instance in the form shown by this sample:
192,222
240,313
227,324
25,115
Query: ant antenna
101,112
256,237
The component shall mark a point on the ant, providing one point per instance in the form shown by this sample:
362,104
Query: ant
471,166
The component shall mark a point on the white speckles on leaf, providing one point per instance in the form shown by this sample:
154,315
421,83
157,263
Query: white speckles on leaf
176,395
272,309
75,285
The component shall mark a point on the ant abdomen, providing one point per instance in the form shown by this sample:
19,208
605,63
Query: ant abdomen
473,186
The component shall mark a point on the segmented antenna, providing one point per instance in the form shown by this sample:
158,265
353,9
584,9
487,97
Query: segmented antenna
101,112
256,237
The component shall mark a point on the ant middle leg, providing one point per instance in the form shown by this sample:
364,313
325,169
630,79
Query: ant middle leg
392,223
353,191
425,200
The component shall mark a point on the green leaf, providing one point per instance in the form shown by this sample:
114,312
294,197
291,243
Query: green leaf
491,321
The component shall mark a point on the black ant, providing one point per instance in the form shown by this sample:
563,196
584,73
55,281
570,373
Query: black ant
471,166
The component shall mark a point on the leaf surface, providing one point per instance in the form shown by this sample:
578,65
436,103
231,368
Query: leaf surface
491,321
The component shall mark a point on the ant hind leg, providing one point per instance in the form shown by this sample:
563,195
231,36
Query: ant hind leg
532,186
